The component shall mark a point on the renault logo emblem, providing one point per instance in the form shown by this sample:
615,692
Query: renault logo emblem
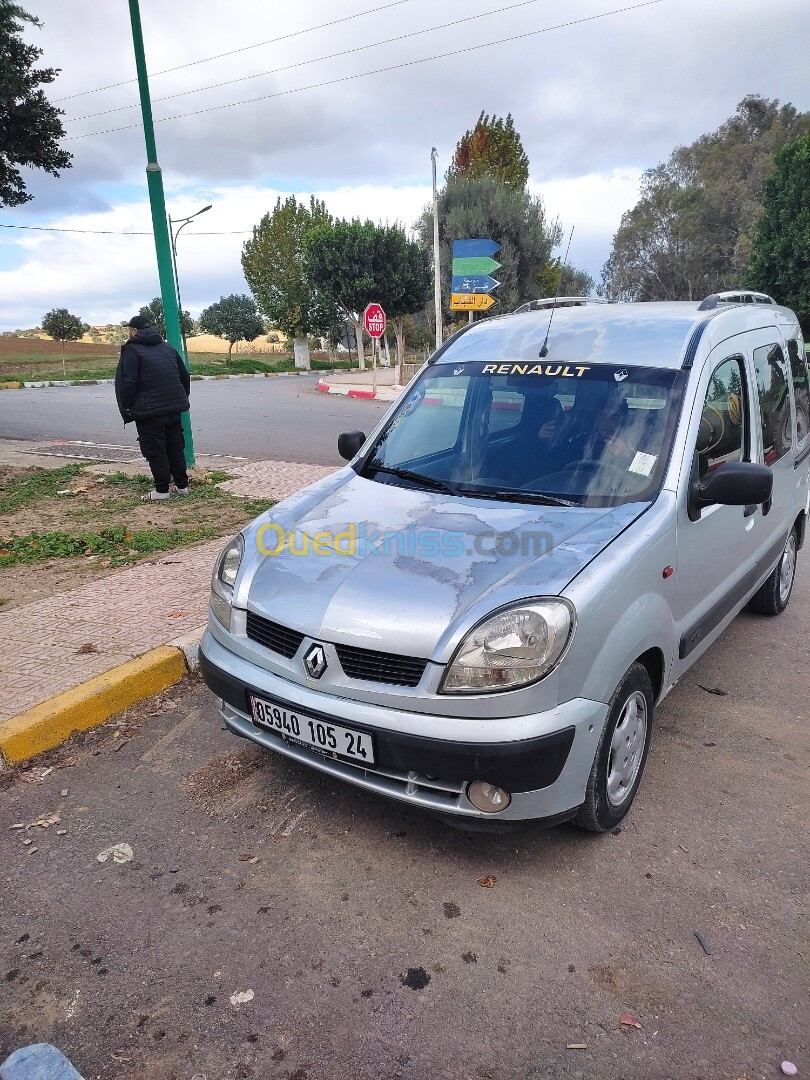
315,661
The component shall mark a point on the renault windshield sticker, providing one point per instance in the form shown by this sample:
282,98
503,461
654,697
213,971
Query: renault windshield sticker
565,371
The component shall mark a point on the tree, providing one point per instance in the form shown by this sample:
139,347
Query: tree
780,264
30,127
357,263
60,325
561,279
691,231
273,265
493,148
514,219
153,311
235,318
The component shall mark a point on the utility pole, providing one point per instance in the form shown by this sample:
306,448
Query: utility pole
160,225
437,281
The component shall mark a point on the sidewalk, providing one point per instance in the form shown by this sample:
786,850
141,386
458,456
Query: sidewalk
55,644
376,384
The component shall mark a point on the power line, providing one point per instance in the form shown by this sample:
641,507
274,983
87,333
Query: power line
244,48
376,71
116,232
317,60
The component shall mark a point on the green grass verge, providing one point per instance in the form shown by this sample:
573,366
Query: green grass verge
117,542
201,364
19,490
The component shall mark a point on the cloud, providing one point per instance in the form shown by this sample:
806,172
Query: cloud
595,103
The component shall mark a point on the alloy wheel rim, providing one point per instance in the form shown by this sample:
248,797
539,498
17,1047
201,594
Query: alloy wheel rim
787,569
627,749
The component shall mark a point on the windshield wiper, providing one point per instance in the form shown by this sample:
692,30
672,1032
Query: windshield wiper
517,495
417,478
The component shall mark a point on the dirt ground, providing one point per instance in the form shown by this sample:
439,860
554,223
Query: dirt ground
275,923
97,503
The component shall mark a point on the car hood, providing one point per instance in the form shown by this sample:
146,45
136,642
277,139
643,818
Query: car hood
408,565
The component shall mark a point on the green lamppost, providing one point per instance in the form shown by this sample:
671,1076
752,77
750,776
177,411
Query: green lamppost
160,224
174,233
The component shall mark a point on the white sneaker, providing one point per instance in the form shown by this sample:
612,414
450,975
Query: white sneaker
155,496
181,491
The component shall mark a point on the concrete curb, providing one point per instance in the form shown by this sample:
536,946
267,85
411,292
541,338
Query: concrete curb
387,393
52,722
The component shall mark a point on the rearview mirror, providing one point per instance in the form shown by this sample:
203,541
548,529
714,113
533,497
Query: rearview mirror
735,483
349,443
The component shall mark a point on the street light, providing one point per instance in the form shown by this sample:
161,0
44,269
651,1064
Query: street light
182,222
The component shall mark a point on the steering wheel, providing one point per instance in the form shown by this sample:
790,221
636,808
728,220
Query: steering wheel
594,465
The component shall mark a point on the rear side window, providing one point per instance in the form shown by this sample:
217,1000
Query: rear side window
798,372
774,401
723,423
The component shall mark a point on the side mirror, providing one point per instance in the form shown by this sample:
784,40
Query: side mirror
735,483
349,443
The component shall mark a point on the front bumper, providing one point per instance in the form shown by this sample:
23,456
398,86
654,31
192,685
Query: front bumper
545,773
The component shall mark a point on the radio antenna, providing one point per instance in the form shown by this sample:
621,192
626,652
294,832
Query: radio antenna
544,350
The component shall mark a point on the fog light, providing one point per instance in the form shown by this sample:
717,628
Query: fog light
487,798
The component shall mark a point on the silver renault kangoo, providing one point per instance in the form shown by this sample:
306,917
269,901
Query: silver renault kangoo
478,614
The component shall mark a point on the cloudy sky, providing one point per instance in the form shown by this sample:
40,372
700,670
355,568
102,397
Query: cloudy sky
269,99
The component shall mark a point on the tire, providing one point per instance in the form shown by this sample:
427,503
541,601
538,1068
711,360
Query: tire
774,595
613,783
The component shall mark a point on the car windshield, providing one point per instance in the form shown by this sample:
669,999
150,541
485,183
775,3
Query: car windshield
583,435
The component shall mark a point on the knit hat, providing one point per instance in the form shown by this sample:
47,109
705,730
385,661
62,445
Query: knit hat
138,322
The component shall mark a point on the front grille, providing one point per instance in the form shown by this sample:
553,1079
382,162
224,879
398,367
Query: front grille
278,639
380,667
356,663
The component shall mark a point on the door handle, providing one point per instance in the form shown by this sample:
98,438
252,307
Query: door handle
750,509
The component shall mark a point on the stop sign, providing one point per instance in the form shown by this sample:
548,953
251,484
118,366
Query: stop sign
374,320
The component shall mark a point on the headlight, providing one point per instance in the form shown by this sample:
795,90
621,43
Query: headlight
511,648
229,561
223,579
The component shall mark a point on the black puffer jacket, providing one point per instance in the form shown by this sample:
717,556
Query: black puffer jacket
151,379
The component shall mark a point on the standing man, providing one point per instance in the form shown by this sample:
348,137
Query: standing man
152,386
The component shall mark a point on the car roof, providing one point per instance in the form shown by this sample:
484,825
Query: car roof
638,335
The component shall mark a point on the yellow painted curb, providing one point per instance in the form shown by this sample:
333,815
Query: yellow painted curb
47,725
10,386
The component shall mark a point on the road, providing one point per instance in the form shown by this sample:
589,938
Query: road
283,419
276,924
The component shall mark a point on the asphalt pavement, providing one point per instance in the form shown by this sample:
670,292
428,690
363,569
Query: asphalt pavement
265,921
283,419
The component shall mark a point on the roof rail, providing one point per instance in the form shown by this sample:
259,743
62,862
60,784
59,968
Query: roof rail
560,301
735,296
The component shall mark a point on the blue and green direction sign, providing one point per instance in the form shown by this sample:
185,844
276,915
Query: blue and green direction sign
472,266
474,284
478,265
474,249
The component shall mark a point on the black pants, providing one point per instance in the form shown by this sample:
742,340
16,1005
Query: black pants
163,446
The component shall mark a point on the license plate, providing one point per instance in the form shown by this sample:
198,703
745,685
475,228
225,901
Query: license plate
331,740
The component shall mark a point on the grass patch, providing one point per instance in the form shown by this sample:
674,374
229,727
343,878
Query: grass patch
16,491
201,364
115,542
107,519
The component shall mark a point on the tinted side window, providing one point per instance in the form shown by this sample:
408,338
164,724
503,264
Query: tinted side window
774,401
724,423
801,394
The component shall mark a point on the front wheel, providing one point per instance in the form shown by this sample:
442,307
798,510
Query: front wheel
773,596
621,754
